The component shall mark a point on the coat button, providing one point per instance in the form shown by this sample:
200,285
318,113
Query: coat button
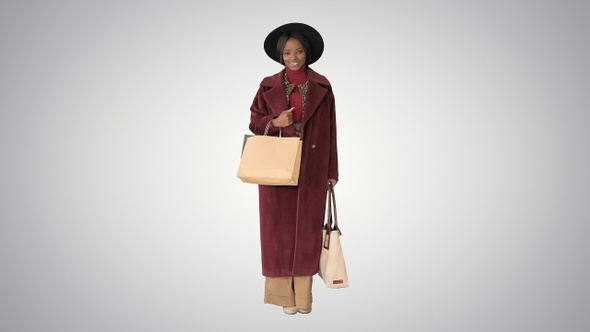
313,146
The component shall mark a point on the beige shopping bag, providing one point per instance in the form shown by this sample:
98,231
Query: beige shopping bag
271,160
332,267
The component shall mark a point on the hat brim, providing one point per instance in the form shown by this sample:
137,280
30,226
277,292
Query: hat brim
316,42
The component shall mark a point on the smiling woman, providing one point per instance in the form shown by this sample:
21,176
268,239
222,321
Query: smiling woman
298,102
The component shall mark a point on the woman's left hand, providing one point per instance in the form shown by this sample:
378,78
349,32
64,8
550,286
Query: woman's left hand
333,182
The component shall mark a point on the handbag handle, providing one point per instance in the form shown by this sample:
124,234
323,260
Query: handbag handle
268,127
332,217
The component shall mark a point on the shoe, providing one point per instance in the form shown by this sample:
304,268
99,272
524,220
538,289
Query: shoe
304,311
290,310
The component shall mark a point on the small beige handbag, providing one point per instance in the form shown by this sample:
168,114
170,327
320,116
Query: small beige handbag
332,267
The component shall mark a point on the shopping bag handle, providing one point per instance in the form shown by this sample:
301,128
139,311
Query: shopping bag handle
268,127
332,218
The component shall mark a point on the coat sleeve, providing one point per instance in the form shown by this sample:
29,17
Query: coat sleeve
260,115
333,163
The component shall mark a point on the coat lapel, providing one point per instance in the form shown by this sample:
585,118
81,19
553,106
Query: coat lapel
276,98
275,95
315,93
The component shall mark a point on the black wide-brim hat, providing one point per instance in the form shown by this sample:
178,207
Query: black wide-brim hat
316,42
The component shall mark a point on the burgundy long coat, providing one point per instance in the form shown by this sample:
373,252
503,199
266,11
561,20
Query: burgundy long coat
291,218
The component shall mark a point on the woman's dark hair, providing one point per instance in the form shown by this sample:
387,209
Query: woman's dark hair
301,38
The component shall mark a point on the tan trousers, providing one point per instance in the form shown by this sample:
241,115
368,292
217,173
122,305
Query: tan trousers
289,291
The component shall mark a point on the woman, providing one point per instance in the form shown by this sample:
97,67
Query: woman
298,102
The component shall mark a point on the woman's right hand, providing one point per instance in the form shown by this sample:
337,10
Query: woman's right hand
285,119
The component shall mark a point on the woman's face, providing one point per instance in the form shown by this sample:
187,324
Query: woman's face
294,54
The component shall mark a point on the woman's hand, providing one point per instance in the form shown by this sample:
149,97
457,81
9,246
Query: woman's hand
333,182
285,119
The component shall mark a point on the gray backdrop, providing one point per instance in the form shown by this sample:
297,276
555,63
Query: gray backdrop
464,146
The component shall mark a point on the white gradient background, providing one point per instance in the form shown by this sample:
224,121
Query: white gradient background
464,145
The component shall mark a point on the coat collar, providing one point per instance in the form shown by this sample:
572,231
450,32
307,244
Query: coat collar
317,87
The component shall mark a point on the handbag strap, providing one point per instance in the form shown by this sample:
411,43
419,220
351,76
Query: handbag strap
332,216
268,127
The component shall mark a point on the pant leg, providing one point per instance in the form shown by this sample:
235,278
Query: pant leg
289,291
302,287
279,291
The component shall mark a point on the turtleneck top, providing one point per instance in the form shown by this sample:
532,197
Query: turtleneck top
296,77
